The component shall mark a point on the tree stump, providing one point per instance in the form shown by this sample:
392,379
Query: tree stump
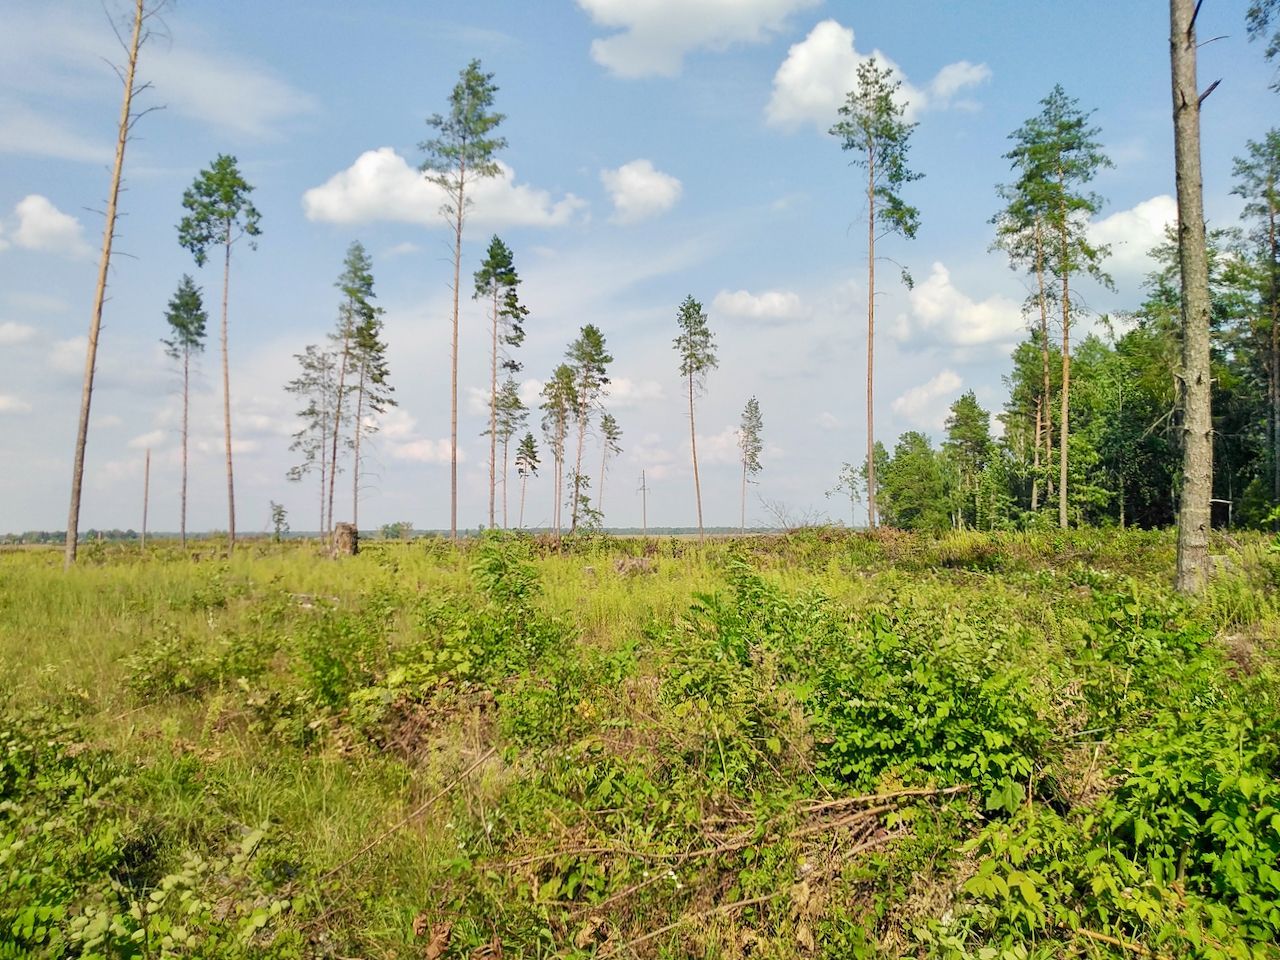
346,540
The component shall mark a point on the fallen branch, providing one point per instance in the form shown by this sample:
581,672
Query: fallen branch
881,797
421,809
701,915
1122,944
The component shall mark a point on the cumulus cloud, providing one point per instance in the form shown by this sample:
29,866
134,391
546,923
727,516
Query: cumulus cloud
404,442
67,356
925,405
380,185
769,305
812,83
828,421
45,228
946,314
654,35
11,404
12,334
153,438
1132,233
640,191
624,392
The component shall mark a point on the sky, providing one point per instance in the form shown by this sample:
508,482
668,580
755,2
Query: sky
657,149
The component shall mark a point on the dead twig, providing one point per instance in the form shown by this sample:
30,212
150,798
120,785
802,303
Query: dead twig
701,915
881,797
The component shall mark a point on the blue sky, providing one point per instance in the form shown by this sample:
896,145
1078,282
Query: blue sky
657,149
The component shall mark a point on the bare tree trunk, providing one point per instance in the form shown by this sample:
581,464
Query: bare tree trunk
186,412
604,459
1197,452
1047,390
1064,426
1035,461
493,410
355,453
693,444
226,395
1274,385
506,473
146,495
577,469
324,464
524,487
644,505
104,262
871,338
459,212
337,421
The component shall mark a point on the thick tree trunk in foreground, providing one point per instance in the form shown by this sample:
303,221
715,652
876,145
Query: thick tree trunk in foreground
1197,452
104,262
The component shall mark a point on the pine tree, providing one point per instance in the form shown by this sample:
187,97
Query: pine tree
873,128
497,283
560,400
510,419
220,213
526,466
187,325
695,346
751,446
589,359
461,152
316,384
610,446
1056,154
968,447
373,394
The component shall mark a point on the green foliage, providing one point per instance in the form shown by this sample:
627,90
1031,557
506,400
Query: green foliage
218,210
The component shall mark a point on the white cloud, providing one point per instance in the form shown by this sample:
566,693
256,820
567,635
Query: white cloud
1132,233
531,392
11,404
828,420
12,334
402,250
720,447
624,392
942,313
640,191
424,451
153,438
769,305
43,227
925,404
812,83
655,35
27,133
67,356
380,185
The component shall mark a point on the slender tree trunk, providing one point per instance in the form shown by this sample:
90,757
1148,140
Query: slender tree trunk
146,495
186,419
459,216
693,444
493,410
1035,461
226,394
1047,389
357,430
324,475
1197,451
604,459
337,421
506,473
872,516
1274,243
1064,426
577,468
524,487
743,527
99,296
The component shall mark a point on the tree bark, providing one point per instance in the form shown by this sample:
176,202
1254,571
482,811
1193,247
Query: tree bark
459,212
693,444
337,421
146,495
186,420
1064,426
872,515
1274,244
506,472
743,526
1047,389
1197,451
493,409
226,395
524,486
1035,461
604,459
577,469
355,453
100,293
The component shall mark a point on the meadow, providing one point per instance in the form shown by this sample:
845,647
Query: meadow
822,744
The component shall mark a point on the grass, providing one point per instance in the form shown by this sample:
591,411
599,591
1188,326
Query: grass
823,744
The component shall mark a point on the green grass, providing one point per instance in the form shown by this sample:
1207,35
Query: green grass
642,748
